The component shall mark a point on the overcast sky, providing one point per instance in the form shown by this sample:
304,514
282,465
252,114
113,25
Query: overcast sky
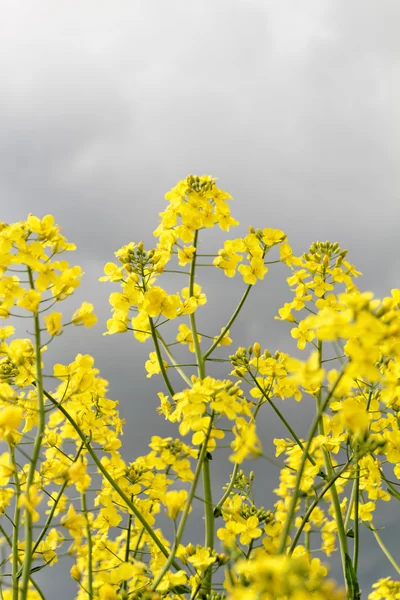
294,106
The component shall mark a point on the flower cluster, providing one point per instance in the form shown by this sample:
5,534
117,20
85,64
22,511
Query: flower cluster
65,485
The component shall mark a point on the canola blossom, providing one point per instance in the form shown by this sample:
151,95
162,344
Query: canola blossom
65,486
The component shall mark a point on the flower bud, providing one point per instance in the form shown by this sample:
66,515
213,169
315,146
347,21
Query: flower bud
75,573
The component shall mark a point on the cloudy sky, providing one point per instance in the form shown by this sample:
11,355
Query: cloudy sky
294,106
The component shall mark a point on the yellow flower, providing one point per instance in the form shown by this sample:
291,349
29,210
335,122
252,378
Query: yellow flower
286,254
250,530
256,270
108,592
385,589
185,336
10,420
141,327
225,341
77,473
185,255
273,236
172,580
108,517
84,315
285,313
152,365
175,502
157,301
303,334
53,323
354,415
75,573
30,301
6,468
246,441
44,229
112,273
117,324
75,523
365,511
30,501
6,332
202,558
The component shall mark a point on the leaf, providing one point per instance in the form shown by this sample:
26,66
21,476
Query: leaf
353,590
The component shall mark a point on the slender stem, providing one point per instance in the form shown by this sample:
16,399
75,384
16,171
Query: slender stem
356,522
15,540
33,582
53,509
314,503
304,458
230,323
159,357
307,533
192,318
280,415
89,546
207,491
35,452
128,538
334,494
384,549
350,507
187,507
173,361
110,480
218,507
209,534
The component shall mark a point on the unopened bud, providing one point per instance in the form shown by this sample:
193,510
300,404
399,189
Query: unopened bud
257,349
75,573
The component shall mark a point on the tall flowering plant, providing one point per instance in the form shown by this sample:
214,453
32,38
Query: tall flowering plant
65,487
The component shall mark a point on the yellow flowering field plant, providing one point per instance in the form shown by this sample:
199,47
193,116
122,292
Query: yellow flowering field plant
65,486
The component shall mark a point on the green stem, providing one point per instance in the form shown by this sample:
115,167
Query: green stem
304,458
187,507
356,523
218,507
159,357
35,452
280,415
384,549
10,543
307,534
344,551
173,361
89,546
350,507
15,540
110,480
128,538
209,536
207,492
230,323
52,511
314,503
